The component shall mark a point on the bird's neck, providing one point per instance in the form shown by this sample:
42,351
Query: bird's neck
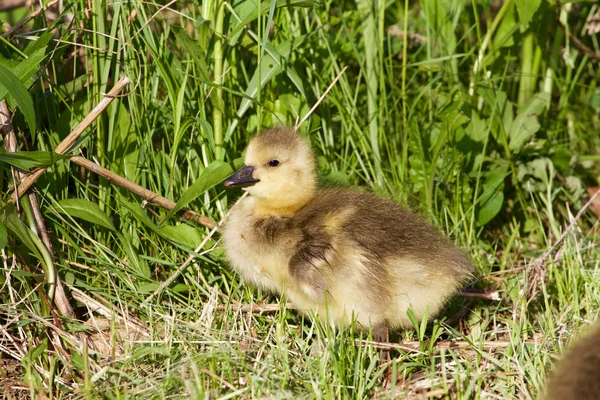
286,207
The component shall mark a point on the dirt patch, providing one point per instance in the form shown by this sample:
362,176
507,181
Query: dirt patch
11,385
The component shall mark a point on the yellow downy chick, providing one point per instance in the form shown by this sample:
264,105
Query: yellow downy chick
339,252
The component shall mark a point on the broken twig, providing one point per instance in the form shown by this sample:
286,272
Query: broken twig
70,140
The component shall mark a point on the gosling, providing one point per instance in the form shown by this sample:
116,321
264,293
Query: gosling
576,376
344,254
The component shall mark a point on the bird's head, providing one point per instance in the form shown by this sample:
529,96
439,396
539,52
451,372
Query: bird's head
279,172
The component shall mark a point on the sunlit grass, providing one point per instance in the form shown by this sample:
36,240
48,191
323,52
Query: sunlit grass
470,117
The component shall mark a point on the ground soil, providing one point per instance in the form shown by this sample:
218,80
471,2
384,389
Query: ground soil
11,385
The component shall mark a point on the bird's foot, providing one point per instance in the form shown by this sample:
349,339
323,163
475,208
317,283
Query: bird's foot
381,333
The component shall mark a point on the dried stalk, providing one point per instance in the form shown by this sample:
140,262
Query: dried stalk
309,113
31,16
583,48
9,5
60,298
107,310
146,194
486,294
537,271
70,140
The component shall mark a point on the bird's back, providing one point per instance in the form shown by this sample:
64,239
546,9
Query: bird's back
382,228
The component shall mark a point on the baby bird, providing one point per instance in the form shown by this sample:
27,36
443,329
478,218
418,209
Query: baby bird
576,376
341,252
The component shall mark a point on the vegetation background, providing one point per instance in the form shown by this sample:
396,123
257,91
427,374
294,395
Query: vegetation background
482,114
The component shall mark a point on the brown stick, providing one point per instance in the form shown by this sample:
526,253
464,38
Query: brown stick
537,270
10,143
487,294
11,146
146,194
10,139
583,48
12,4
66,144
309,113
31,16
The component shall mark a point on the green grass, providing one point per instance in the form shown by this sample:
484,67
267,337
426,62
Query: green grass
483,118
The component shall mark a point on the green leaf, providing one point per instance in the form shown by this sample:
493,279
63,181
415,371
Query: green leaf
423,327
295,79
492,198
37,351
8,63
31,159
413,319
418,172
543,170
193,48
25,274
490,209
13,86
140,265
595,99
561,158
177,126
248,11
3,236
40,43
18,229
25,69
180,288
182,234
87,211
477,128
526,10
502,110
209,177
150,350
36,53
273,63
526,123
504,36
451,121
147,287
126,145
435,12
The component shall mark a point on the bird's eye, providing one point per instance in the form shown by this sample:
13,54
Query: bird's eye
273,163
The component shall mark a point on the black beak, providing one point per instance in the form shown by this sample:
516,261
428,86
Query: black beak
242,178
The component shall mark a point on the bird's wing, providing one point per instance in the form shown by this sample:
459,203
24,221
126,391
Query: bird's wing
311,264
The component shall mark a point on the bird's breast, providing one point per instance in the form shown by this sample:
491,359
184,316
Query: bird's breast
259,248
